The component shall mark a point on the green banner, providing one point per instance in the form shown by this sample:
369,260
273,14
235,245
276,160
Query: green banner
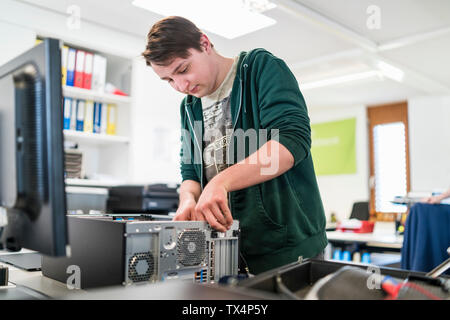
334,147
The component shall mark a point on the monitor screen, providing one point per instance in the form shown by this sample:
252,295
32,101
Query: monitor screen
32,189
7,147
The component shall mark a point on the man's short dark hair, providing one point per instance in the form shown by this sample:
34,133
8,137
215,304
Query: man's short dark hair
171,38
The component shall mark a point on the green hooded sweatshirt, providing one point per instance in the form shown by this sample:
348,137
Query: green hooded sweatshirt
283,218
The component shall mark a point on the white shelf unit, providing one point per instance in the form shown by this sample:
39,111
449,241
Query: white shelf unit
91,183
80,93
105,157
95,139
87,190
86,186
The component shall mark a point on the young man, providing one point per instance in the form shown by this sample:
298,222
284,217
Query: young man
269,187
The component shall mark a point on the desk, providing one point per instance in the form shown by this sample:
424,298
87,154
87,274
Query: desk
168,290
383,236
387,241
383,244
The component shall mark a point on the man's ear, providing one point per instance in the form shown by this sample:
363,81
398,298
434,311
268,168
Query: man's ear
205,43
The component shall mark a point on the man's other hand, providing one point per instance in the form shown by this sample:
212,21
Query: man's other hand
185,210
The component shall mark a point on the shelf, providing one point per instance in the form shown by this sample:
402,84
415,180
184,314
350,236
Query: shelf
91,183
94,138
79,93
87,190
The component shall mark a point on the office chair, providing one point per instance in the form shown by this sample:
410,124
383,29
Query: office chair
360,211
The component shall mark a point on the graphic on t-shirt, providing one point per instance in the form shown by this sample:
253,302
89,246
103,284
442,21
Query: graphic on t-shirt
217,119
218,125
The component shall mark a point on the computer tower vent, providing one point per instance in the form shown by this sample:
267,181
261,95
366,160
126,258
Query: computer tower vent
191,247
141,267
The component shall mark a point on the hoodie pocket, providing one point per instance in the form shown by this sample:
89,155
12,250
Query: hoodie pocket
260,234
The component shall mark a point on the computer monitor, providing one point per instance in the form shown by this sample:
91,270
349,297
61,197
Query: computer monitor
32,189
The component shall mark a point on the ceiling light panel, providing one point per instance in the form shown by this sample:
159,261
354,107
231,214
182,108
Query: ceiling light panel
230,18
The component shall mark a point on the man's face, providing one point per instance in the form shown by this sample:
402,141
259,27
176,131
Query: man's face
196,75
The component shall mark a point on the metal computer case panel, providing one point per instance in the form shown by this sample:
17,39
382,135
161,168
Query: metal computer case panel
166,250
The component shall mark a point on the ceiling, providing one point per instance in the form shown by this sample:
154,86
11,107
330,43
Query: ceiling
320,39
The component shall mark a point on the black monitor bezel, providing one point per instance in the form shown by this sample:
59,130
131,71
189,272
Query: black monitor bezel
47,232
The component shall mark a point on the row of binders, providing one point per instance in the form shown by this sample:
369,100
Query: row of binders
89,116
83,69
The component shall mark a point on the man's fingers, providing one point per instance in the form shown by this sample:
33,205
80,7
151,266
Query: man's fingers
198,214
182,216
210,218
226,213
184,213
218,214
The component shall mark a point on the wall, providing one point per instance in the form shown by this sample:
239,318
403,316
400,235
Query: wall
14,41
429,140
155,132
339,192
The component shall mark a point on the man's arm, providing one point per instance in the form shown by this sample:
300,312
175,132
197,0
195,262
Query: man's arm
281,108
268,162
190,191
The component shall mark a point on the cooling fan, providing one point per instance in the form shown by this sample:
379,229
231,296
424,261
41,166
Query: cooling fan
191,247
141,267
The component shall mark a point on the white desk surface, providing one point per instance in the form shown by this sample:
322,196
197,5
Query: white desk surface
168,290
382,236
6,252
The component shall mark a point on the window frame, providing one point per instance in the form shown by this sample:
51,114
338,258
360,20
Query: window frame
384,114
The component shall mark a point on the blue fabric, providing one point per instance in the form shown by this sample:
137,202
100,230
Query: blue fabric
426,237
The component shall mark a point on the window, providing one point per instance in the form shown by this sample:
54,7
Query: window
389,159
390,165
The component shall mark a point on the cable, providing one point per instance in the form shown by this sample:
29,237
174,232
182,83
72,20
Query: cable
421,290
283,289
393,288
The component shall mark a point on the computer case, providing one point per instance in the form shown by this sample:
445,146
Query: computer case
113,252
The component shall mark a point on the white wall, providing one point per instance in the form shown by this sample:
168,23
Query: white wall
339,192
155,133
429,141
14,41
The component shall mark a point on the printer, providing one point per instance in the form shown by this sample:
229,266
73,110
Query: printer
153,198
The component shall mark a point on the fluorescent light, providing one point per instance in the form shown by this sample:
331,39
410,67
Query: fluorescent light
389,71
227,18
339,80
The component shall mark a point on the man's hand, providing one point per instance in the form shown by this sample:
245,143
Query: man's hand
185,211
189,192
212,206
